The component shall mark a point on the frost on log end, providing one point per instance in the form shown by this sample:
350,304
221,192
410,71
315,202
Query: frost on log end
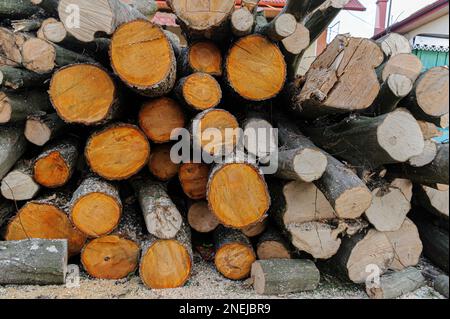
143,57
255,68
160,164
199,91
234,253
194,179
33,262
117,152
201,56
19,184
84,94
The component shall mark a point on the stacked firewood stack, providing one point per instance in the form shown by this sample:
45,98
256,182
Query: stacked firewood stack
92,93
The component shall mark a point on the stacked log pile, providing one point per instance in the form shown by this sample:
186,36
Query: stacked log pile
91,110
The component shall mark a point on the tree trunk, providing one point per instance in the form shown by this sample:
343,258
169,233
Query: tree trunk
282,276
200,217
19,183
272,245
55,165
33,262
194,179
234,253
16,9
201,56
441,285
393,43
433,200
161,165
301,9
199,91
391,138
396,284
144,60
15,107
96,208
84,94
167,263
15,78
12,146
40,129
117,152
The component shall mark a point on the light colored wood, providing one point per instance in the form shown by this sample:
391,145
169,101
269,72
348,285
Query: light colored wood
256,229
434,200
41,128
429,130
297,41
393,43
17,106
242,22
426,157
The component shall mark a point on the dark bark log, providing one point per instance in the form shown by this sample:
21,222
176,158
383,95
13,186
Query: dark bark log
26,25
432,200
272,245
7,210
282,26
49,6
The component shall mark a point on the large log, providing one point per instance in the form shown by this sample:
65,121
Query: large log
12,146
161,165
117,152
17,78
234,253
19,184
194,179
11,46
15,106
282,276
33,262
42,128
143,57
201,56
16,9
84,94
199,91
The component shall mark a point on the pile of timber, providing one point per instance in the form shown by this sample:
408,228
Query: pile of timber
90,113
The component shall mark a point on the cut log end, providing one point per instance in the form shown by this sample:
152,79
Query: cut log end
394,43
154,269
18,185
234,260
242,21
194,179
272,249
426,157
54,32
201,91
285,25
52,170
201,218
110,257
400,85
408,65
160,163
205,57
5,107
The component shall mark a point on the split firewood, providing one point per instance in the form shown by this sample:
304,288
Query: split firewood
256,229
55,165
166,263
234,253
384,142
433,200
46,218
95,207
200,217
199,91
117,152
161,165
15,107
46,258
281,27
255,68
12,146
42,128
162,217
15,78
160,118
143,57
26,25
16,9
441,285
272,245
96,17
237,194
393,43
408,65
428,99
7,209
19,184
406,244
84,94
201,56
396,284
281,276
194,179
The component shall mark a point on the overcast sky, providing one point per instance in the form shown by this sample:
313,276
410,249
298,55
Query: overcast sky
361,24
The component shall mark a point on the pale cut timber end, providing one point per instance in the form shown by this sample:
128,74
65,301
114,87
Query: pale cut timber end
408,65
5,108
201,219
432,92
285,25
19,186
54,32
400,85
426,157
256,229
38,56
439,199
400,136
394,43
37,132
205,56
429,130
235,260
353,202
297,41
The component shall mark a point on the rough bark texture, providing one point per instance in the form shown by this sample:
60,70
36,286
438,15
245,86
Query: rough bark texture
433,200
16,107
12,146
19,183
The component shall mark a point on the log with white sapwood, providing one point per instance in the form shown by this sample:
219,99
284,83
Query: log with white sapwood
427,156
33,262
12,146
19,183
281,276
281,27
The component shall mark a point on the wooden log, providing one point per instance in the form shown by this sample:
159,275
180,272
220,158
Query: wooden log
10,46
158,254
272,245
199,91
162,218
441,285
396,284
255,68
19,184
143,58
201,56
391,138
428,99
160,118
256,229
55,165
342,79
394,43
297,41
95,207
434,173
12,146
103,16
360,251
7,209
427,156
282,276
215,132
16,9
33,262
45,218
234,253
208,20
281,27
15,106
160,164
433,200
200,217
15,78
117,152
42,128
406,244
242,22
84,94
237,194
194,179
405,64
26,25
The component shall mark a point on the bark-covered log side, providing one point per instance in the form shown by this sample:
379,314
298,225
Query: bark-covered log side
441,285
7,209
433,200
